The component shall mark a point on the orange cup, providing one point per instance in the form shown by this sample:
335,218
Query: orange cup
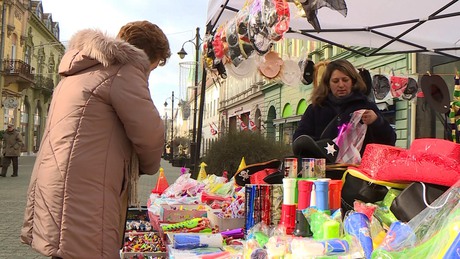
335,194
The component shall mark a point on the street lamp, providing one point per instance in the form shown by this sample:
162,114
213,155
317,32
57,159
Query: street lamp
194,146
171,147
165,156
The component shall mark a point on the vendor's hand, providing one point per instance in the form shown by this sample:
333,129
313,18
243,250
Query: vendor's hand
369,116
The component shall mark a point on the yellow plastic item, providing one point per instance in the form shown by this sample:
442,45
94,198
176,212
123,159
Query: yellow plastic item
202,174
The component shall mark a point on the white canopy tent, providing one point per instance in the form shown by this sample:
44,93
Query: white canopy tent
386,26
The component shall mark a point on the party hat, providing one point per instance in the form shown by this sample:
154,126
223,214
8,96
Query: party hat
242,165
162,183
202,174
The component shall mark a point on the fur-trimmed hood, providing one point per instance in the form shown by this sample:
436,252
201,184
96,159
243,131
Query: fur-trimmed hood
90,47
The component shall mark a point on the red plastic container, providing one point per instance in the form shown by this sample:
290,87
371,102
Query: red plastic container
335,194
304,187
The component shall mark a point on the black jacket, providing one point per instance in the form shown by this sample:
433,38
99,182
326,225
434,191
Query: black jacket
316,119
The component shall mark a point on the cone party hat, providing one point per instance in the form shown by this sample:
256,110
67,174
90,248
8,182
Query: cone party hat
242,165
162,183
202,174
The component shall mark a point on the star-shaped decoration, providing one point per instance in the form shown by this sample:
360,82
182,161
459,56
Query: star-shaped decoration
330,149
244,174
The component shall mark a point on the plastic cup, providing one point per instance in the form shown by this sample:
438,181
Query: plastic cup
331,229
288,214
320,167
305,188
289,191
308,167
322,194
335,194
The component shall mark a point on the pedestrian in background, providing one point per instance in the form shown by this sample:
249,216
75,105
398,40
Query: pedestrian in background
101,126
12,145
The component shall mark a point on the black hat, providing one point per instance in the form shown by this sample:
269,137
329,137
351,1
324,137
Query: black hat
381,86
411,89
436,92
307,67
366,76
305,146
242,176
275,178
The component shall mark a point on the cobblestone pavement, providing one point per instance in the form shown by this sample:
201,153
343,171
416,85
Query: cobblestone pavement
13,199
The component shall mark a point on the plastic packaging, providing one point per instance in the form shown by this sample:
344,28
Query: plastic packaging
191,241
433,232
357,225
350,139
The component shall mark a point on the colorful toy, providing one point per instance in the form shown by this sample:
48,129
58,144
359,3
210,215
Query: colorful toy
143,242
432,248
357,225
196,225
191,241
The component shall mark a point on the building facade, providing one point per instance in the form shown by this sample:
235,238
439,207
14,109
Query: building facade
30,53
277,107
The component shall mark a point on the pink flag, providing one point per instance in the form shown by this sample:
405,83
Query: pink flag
242,124
252,125
213,130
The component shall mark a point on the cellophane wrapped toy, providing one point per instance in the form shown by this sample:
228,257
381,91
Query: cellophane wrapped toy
433,233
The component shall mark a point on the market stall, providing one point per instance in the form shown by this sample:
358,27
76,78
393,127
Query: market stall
367,214
392,203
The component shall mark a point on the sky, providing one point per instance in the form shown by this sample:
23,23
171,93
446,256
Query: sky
178,19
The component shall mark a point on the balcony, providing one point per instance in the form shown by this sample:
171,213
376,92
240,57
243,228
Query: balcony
17,71
43,86
44,83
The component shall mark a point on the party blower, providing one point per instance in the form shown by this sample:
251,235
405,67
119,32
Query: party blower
288,209
208,198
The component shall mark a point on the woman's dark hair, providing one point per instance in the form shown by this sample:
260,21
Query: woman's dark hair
320,93
148,37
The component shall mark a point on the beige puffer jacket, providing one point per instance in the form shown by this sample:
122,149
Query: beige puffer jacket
100,110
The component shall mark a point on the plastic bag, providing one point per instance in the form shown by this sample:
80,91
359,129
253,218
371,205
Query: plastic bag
350,139
434,232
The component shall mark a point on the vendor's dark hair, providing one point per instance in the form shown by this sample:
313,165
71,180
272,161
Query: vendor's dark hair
320,93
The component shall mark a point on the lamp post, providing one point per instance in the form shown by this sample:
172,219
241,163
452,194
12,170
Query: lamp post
166,135
171,148
194,148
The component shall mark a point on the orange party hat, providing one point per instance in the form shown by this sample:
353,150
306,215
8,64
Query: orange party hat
162,183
